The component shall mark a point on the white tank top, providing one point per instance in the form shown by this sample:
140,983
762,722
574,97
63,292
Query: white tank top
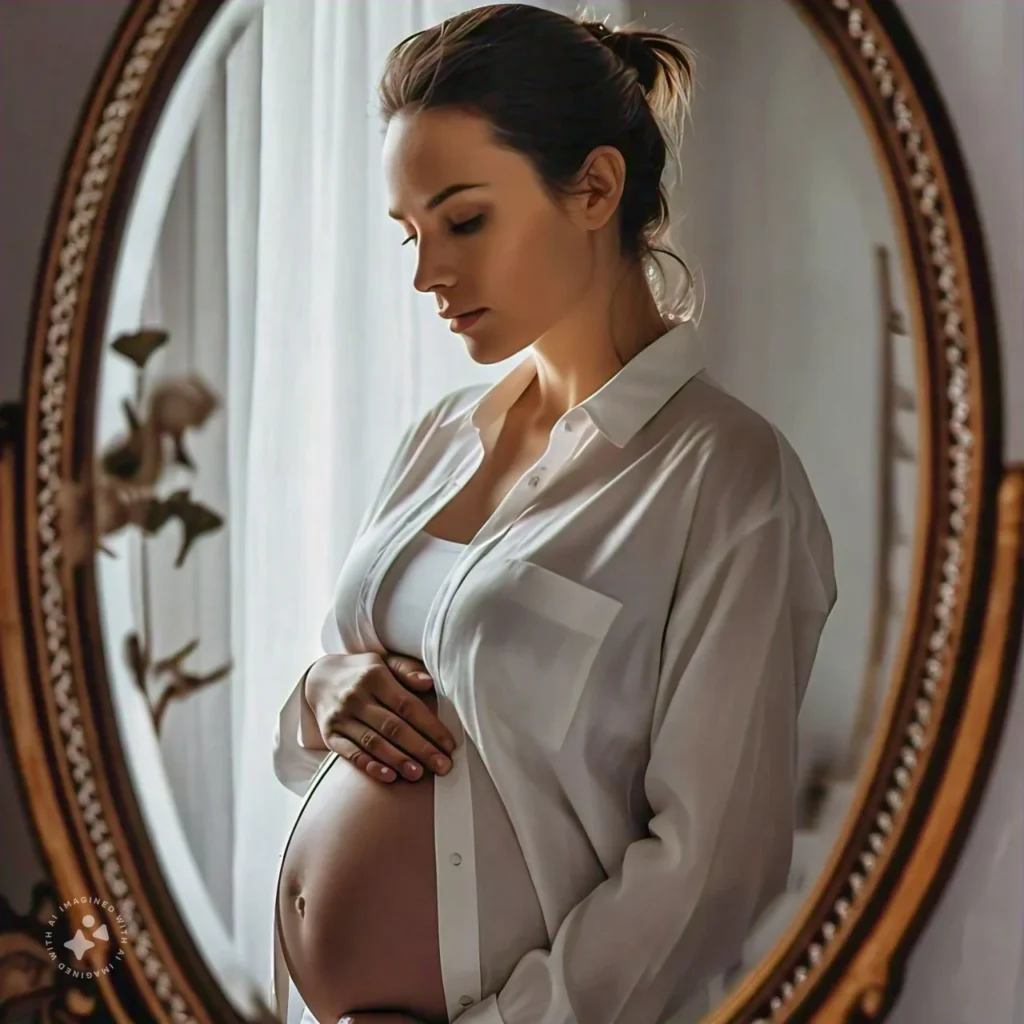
409,588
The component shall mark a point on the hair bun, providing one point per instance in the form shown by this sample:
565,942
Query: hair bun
631,48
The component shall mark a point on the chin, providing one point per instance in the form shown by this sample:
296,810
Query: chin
483,353
487,348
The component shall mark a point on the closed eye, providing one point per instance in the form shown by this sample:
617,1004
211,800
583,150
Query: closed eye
465,227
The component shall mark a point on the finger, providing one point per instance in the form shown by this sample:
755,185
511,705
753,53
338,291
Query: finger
409,671
364,734
409,708
394,728
355,755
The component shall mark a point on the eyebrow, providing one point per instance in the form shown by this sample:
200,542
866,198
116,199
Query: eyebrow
445,193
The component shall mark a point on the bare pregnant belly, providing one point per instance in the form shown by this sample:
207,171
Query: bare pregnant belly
358,898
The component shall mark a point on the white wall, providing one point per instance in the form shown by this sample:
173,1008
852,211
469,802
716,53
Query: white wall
968,966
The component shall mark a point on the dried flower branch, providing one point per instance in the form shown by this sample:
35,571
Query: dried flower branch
122,492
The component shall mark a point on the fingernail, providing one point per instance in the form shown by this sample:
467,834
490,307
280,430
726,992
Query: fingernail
440,764
412,769
421,677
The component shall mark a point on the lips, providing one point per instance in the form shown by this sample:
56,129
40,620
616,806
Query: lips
464,321
457,316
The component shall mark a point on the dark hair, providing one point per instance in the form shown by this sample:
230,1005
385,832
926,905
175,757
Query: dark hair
554,88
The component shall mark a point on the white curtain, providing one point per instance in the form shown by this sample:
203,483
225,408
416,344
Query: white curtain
287,285
201,289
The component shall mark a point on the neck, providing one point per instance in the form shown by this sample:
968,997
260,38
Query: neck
590,345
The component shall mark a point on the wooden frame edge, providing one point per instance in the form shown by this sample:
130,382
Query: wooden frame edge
35,778
873,980
61,831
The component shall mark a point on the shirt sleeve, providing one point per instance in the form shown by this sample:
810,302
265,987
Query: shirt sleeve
299,748
721,786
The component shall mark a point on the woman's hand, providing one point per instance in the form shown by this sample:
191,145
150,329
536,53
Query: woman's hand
367,713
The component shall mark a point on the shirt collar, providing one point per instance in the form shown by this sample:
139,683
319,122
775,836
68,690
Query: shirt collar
623,404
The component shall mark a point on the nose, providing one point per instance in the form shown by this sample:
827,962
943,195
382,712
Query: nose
433,271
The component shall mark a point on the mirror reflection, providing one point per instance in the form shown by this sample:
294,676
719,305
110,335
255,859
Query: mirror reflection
539,396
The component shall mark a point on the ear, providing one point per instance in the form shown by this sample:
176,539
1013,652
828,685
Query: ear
597,188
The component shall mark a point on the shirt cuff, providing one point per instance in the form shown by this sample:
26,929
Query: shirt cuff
295,762
308,734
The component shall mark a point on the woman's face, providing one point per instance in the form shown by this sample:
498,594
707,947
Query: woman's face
502,245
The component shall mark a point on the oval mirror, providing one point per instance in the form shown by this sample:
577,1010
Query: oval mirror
698,618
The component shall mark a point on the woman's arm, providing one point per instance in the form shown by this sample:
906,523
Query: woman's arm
721,784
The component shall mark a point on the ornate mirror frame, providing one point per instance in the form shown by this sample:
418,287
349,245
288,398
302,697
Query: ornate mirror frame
842,958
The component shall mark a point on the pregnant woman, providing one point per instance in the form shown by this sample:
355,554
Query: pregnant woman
595,589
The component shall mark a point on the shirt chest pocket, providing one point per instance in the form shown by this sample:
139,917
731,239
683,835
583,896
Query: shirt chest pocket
541,633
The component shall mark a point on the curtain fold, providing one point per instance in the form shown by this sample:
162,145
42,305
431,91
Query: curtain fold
186,296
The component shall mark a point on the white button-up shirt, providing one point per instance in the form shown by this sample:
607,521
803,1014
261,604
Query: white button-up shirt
626,643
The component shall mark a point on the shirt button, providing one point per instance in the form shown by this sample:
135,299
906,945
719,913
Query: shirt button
465,1000
567,427
533,481
456,859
